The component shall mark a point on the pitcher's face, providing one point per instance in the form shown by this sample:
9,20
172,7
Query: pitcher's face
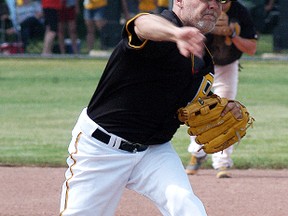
201,14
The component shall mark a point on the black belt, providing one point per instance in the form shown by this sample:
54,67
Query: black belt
124,145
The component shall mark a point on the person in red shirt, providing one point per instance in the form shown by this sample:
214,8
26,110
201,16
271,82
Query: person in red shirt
50,9
67,18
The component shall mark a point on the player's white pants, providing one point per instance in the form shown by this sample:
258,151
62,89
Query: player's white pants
225,85
98,174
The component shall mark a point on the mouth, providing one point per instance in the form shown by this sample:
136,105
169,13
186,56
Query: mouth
210,17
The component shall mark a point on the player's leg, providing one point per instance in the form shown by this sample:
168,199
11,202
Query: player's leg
225,85
160,176
226,80
197,157
223,158
96,177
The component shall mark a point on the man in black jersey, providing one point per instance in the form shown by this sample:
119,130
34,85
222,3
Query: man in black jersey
122,139
227,51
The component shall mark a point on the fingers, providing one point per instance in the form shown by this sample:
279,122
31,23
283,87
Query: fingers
235,108
187,49
237,112
191,41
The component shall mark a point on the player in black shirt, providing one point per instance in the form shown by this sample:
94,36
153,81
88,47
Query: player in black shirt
122,139
227,51
141,78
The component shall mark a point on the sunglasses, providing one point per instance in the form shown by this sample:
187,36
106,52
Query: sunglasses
223,1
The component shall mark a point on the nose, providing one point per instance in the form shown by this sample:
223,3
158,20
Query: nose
214,4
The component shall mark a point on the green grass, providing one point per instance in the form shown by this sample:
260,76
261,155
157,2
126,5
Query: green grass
41,100
264,44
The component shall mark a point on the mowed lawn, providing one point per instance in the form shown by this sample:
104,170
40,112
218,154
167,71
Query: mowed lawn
42,98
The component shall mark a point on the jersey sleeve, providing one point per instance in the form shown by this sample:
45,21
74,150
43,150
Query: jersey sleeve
145,48
129,34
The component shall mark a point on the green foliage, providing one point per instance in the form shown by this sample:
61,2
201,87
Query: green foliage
41,100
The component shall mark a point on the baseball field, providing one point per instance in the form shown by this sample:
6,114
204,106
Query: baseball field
42,98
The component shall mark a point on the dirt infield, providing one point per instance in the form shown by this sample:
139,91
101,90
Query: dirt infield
33,191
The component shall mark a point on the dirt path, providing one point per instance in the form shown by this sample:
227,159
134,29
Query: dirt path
33,191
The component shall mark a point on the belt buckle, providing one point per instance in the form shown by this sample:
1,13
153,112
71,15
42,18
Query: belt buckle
138,146
135,145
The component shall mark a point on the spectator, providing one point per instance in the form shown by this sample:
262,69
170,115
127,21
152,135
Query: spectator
29,16
162,5
256,9
280,33
67,15
50,9
94,16
269,4
271,19
12,11
226,50
6,25
148,6
265,14
129,8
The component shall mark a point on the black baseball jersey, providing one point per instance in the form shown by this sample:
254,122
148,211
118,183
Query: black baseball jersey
144,84
222,53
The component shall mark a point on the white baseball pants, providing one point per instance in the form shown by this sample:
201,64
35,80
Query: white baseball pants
98,174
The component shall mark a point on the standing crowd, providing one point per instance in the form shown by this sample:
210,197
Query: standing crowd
57,20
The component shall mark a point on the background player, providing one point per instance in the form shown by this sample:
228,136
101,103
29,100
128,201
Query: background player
226,51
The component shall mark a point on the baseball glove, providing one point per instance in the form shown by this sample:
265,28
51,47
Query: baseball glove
235,29
214,132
